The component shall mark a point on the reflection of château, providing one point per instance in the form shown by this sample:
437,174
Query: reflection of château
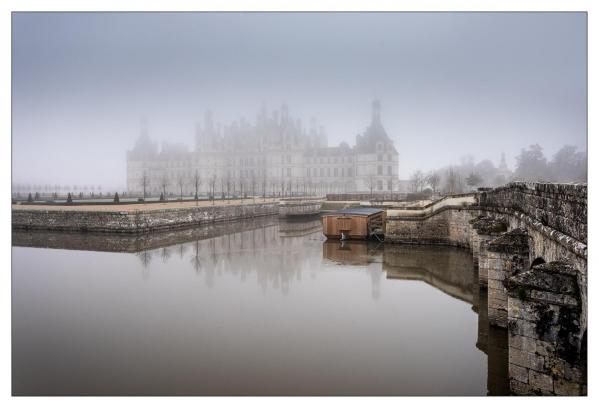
274,155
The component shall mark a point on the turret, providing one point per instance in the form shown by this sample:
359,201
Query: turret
376,111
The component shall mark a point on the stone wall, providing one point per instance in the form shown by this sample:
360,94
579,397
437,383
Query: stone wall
136,221
546,338
133,243
562,207
446,226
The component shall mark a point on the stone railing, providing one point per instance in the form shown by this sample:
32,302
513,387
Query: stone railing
562,207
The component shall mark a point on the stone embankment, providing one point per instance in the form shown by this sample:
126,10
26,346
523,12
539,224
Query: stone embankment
529,246
136,220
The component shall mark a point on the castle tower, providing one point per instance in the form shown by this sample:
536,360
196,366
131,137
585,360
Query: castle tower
376,111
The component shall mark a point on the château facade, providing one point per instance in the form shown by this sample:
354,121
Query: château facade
275,155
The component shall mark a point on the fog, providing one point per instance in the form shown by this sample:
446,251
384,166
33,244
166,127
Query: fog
450,84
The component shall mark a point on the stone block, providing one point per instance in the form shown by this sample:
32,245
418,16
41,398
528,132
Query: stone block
545,281
494,303
498,318
523,343
554,298
564,387
497,274
525,359
496,284
544,348
521,327
540,381
518,373
520,388
499,295
531,311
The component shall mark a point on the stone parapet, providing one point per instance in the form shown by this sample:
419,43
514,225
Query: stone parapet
563,207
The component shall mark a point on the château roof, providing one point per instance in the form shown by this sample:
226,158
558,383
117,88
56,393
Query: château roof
375,133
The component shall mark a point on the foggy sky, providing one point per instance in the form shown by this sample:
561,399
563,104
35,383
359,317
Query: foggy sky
449,83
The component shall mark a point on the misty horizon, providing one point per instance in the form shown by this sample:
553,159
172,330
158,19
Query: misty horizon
450,84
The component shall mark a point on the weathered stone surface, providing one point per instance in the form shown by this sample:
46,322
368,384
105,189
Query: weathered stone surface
522,327
544,348
495,303
564,387
498,295
522,309
485,225
537,279
518,373
554,298
496,274
520,388
525,359
136,221
512,242
540,381
523,343
559,206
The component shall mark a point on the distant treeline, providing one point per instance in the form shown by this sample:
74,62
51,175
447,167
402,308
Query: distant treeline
568,165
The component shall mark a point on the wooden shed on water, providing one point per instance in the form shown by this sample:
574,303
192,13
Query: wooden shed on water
354,223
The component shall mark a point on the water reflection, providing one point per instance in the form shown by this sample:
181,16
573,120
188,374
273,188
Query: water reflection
262,307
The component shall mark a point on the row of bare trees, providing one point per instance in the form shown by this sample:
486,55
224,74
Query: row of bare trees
228,186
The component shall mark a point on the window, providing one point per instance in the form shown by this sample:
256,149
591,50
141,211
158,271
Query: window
379,184
335,172
328,171
379,147
321,172
379,157
389,171
389,185
288,172
379,170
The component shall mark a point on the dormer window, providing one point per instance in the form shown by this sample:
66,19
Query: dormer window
379,147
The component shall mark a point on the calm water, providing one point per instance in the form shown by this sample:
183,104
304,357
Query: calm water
251,308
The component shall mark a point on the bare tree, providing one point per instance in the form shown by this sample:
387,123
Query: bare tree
433,179
228,183
253,185
213,186
370,182
196,182
181,183
473,180
417,181
145,181
241,183
453,181
164,181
